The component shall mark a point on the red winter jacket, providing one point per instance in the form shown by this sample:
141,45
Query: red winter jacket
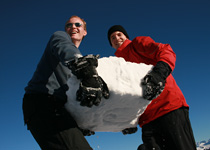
145,50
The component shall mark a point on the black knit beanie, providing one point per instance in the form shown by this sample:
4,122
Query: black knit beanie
114,29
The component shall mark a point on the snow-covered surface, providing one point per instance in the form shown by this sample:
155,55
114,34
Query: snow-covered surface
203,145
125,104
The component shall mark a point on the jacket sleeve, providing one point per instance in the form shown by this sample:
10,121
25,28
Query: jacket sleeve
63,47
148,48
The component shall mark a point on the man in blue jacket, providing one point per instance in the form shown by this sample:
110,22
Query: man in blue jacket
45,95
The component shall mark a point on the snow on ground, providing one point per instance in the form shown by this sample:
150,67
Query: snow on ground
203,145
125,104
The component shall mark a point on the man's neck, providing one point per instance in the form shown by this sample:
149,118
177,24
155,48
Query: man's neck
76,43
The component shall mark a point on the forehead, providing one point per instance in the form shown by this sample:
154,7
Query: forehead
116,33
75,19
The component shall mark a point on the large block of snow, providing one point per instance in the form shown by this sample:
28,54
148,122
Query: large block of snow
125,104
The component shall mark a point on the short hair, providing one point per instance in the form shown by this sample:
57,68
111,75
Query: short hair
75,16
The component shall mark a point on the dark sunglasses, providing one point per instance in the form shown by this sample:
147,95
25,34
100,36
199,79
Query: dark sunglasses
69,25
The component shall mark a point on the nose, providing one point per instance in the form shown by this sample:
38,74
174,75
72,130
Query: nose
73,25
117,37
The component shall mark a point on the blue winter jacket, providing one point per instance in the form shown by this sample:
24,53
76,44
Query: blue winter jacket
51,74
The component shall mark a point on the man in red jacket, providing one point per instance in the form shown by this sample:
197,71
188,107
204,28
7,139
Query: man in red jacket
165,122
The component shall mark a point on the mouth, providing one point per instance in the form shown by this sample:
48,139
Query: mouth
74,32
118,43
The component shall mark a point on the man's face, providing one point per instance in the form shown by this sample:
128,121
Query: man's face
117,39
75,29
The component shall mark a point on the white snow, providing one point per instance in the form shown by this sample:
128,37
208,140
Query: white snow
203,145
125,104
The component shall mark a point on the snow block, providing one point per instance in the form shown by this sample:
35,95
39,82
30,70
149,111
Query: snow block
125,104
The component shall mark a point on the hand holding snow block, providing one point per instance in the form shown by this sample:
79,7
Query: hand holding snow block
125,104
154,81
92,86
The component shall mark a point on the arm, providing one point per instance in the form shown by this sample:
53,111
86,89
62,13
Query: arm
154,52
63,47
92,86
162,57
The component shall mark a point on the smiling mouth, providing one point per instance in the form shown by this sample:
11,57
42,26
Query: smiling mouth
119,43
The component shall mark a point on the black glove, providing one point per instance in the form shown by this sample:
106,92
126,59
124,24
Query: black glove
84,67
154,82
129,130
141,147
87,132
91,91
92,86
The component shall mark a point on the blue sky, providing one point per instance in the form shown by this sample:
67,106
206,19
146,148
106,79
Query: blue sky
26,26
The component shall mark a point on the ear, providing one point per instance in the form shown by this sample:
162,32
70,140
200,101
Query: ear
85,33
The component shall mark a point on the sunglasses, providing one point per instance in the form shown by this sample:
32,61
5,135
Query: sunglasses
69,25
